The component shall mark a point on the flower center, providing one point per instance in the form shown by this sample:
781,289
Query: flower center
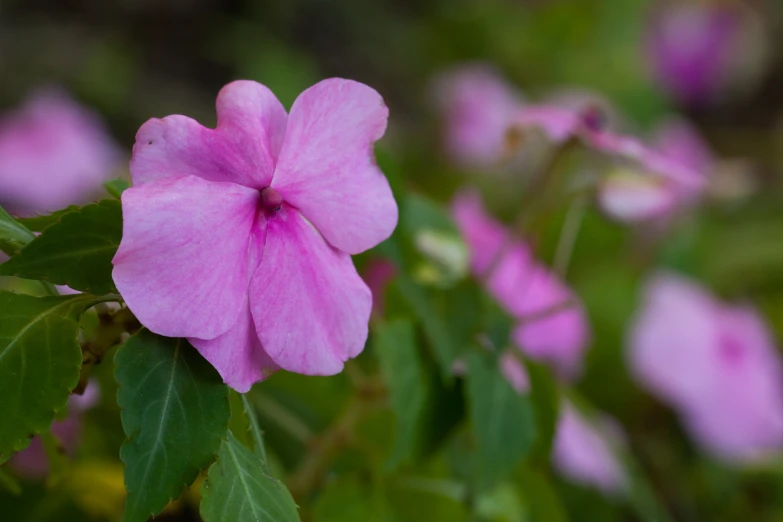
593,118
271,199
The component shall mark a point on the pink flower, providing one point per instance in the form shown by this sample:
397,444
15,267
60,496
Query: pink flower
551,323
478,106
583,450
377,274
644,183
31,462
634,194
239,238
715,363
690,48
53,153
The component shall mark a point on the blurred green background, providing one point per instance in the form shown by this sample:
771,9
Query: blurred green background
136,59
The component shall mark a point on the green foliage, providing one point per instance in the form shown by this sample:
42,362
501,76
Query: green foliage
539,497
503,421
239,489
403,372
116,187
39,223
175,411
39,361
76,250
13,235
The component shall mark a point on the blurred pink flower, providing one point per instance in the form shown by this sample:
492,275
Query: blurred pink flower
478,106
239,238
377,273
689,45
715,363
634,194
31,462
552,326
583,450
53,153
514,372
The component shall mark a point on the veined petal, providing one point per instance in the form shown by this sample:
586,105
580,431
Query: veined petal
310,307
237,355
242,149
182,265
327,169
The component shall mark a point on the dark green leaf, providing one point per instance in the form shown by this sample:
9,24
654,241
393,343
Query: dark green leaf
9,483
116,187
238,489
503,421
420,300
39,363
39,223
76,251
13,235
546,401
175,412
403,372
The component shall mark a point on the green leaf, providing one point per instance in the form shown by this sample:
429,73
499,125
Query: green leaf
503,421
13,235
76,251
175,412
9,483
238,489
541,499
116,187
545,397
39,223
404,374
40,360
421,301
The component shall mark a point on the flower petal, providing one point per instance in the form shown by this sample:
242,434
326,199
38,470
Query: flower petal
327,169
633,196
674,334
182,265
242,149
237,355
311,309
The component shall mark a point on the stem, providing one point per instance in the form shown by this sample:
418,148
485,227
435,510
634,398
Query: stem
322,448
568,234
258,437
535,196
291,423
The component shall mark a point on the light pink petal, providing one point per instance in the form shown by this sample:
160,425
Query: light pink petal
557,123
311,309
514,372
242,149
673,339
645,159
237,355
632,197
740,418
582,452
680,141
53,153
485,236
478,106
182,266
327,168
525,288
553,327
